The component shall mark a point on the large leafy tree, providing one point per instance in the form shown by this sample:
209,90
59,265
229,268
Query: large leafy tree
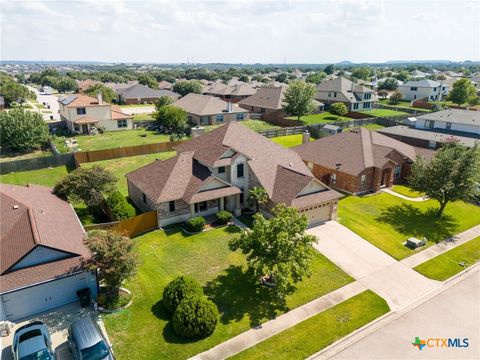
362,73
66,84
90,185
329,69
395,98
13,91
299,98
389,84
22,130
173,118
316,78
108,95
163,101
257,196
112,257
186,87
453,174
462,91
278,248
148,80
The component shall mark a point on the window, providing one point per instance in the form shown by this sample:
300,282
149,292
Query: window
241,198
355,106
432,144
413,88
262,110
366,105
367,96
239,116
201,206
333,179
443,88
448,126
122,123
334,94
363,180
81,111
221,170
171,206
239,170
219,118
397,172
429,124
144,198
329,94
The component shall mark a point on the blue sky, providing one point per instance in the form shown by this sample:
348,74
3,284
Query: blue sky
240,31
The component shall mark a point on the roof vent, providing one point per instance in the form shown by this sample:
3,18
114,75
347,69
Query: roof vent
42,211
15,207
338,164
290,164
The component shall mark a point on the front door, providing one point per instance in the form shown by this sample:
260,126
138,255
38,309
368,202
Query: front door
84,129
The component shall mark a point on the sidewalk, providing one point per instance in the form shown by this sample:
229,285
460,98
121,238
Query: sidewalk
442,247
391,192
264,331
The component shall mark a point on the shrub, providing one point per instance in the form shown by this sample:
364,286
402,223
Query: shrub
179,289
195,224
119,206
195,317
224,216
338,109
395,98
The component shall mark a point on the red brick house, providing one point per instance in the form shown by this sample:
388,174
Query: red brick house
359,160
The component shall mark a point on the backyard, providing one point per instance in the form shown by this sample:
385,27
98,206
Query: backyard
143,331
289,140
46,177
322,118
316,333
405,104
388,221
384,113
112,139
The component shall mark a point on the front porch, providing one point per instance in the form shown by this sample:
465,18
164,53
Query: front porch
209,207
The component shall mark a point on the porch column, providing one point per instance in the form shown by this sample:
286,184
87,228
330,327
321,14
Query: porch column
192,210
237,211
222,203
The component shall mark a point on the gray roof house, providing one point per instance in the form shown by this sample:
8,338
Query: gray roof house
451,120
142,94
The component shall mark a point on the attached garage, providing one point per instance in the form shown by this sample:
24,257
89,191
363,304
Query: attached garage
23,303
317,214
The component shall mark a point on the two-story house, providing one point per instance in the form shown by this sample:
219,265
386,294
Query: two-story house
233,93
355,96
451,120
80,113
210,110
215,171
42,253
430,90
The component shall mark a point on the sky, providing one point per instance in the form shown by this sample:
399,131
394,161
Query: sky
239,31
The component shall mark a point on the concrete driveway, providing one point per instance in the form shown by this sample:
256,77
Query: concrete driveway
395,282
57,322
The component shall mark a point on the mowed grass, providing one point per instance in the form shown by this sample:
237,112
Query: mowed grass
321,118
384,113
259,125
446,265
289,140
112,139
47,177
144,331
316,333
373,127
6,155
407,191
388,221
120,167
142,117
402,104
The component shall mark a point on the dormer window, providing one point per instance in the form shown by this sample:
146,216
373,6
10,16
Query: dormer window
221,170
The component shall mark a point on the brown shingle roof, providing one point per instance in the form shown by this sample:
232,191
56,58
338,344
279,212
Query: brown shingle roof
118,114
202,105
81,101
265,97
354,150
85,120
346,90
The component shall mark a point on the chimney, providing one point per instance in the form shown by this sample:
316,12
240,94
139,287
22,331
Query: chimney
305,137
229,107
99,98
197,131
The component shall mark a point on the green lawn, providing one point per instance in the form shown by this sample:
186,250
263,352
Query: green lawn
289,140
258,125
405,190
120,167
142,117
373,127
47,176
144,331
316,333
388,221
446,265
322,118
383,113
113,139
6,155
402,104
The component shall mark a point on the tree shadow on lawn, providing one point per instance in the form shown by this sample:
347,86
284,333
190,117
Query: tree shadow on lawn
411,221
238,293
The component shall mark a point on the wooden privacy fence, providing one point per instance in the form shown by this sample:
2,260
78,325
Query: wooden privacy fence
283,132
36,163
132,227
116,153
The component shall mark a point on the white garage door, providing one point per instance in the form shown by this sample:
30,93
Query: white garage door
39,298
318,214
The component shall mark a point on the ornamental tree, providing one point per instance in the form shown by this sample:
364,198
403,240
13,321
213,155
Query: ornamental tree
299,98
257,196
172,117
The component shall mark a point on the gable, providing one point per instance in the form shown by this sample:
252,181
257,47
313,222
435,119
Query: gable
228,154
40,255
211,184
313,187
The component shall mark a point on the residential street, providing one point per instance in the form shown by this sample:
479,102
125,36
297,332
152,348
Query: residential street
454,313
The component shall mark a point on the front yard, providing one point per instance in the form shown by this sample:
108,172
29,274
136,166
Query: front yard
405,190
112,139
143,330
388,221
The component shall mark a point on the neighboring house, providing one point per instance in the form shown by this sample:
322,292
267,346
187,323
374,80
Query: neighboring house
142,94
465,121
359,160
355,97
232,93
417,74
423,89
266,100
80,113
165,85
120,86
209,110
42,252
85,84
216,170
377,82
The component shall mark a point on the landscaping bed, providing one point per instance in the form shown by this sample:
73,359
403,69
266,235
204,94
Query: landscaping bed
388,221
142,331
316,333
446,265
